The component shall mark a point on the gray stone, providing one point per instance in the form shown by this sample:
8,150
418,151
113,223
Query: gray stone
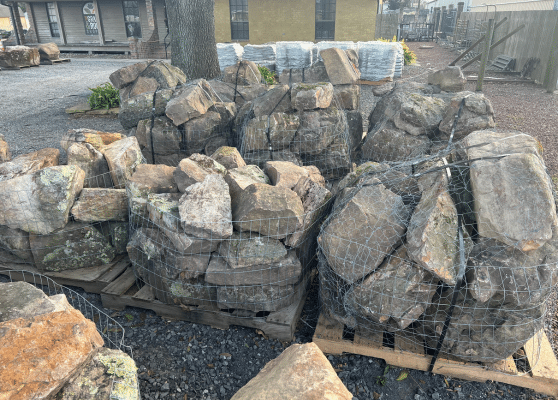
284,174
257,298
140,86
313,74
356,128
229,157
420,115
40,202
163,140
23,300
513,200
49,51
481,144
276,100
306,96
243,73
449,79
269,210
347,96
279,128
205,209
186,103
96,205
240,178
199,131
117,233
75,246
477,114
126,75
334,162
19,56
365,231
398,292
284,272
134,109
317,130
245,250
284,155
339,69
215,143
149,178
167,76
92,162
29,163
16,242
195,169
123,157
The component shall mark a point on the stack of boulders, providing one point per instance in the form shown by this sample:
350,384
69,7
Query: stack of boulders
216,232
70,216
173,119
390,250
48,349
14,57
412,119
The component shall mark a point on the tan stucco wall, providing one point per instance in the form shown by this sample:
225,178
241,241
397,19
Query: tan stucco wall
273,21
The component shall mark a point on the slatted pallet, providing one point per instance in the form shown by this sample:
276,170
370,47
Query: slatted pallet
18,68
375,83
406,353
91,279
59,61
124,291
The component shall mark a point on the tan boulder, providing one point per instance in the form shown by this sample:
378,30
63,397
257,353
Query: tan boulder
29,163
92,162
49,51
240,178
5,154
309,96
187,103
229,157
347,96
301,372
19,56
126,75
195,169
95,205
149,178
95,138
284,173
123,157
339,68
243,73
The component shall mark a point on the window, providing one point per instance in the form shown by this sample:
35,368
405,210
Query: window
132,18
239,19
90,19
325,19
52,20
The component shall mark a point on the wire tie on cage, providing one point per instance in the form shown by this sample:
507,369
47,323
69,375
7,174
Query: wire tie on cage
152,125
456,289
454,126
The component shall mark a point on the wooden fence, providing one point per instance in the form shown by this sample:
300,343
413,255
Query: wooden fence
538,39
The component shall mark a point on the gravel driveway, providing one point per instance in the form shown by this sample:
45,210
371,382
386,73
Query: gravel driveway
179,360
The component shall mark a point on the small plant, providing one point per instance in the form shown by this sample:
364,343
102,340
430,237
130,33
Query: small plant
381,380
270,77
409,56
104,96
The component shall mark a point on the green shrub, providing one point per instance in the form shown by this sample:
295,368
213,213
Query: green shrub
270,77
104,96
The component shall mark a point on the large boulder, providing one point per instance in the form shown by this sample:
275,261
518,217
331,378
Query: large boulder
240,178
306,96
22,300
29,163
75,246
186,103
317,130
126,75
302,372
160,144
449,79
245,250
49,51
477,114
167,76
97,139
149,178
365,230
279,128
285,174
243,73
40,202
276,100
205,209
96,205
229,157
339,68
5,154
199,132
15,57
269,210
45,346
420,115
123,157
347,97
16,242
93,164
195,169
134,109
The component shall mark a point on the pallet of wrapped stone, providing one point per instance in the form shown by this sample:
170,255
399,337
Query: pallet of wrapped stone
71,219
218,233
455,252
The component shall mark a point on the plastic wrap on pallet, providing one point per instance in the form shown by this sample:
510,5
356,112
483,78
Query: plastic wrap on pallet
399,62
229,54
260,53
347,45
377,60
294,55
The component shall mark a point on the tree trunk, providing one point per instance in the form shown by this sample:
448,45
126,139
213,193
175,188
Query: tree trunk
192,29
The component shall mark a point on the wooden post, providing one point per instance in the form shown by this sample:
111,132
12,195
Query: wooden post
99,23
486,50
60,24
551,74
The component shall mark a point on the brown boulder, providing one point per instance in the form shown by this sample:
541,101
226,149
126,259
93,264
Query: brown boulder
29,163
5,154
123,157
19,56
187,103
339,69
229,157
195,169
95,205
97,139
126,75
49,51
92,162
243,73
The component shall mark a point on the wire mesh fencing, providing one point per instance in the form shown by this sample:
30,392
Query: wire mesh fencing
455,251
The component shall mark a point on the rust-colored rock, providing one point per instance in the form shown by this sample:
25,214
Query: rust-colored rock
5,154
95,138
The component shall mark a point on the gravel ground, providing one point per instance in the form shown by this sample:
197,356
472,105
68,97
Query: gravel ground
179,360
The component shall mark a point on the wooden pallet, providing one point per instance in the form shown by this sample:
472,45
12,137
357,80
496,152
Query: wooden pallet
59,61
18,68
124,291
408,354
91,279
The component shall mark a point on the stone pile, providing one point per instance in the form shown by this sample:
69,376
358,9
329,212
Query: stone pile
48,349
15,57
412,119
215,231
390,252
71,216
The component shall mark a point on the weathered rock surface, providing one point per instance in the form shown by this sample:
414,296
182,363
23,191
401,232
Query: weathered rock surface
477,114
513,200
287,271
134,109
356,128
95,205
240,178
228,157
199,131
126,75
257,298
317,130
109,374
149,178
166,75
420,115
163,140
243,73
347,96
364,232
398,292
19,56
117,233
97,139
306,96
23,300
41,351
16,242
40,202
205,209
339,69
187,103
481,144
195,169
301,372
314,74
48,51
269,210
285,174
276,100
5,154
449,79
77,245
245,250
29,163
279,128
92,162
123,157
